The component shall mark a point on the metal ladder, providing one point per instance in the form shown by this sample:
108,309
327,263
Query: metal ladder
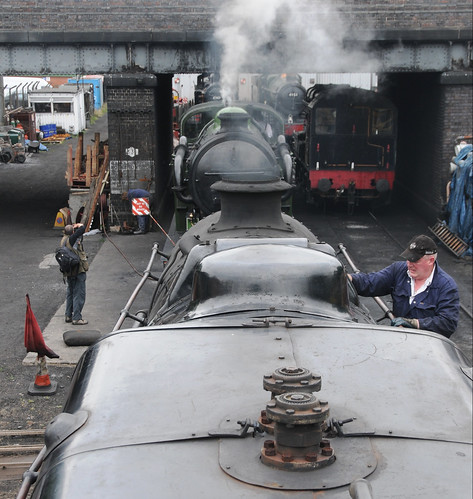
456,245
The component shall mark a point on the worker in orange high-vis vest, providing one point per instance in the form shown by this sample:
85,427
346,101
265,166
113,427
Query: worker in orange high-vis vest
143,220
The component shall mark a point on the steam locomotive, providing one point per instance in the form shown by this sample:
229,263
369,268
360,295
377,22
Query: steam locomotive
207,88
348,147
219,140
283,92
216,397
250,216
286,94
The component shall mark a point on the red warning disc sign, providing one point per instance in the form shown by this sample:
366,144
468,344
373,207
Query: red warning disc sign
140,206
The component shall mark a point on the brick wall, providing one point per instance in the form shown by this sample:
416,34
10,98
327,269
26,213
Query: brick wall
410,14
457,117
188,15
103,16
131,137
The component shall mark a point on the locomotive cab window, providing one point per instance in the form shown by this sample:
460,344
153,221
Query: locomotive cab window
325,119
382,122
354,121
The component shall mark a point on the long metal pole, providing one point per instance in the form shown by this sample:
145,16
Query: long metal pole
377,299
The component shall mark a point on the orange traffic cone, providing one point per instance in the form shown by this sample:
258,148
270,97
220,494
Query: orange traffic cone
42,384
34,342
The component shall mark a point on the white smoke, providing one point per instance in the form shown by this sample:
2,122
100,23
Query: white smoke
275,36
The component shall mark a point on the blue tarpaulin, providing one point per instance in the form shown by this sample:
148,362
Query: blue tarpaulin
459,207
42,147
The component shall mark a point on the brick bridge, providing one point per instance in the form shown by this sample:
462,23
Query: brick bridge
421,50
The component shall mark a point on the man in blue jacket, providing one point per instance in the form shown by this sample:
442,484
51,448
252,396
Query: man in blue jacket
424,296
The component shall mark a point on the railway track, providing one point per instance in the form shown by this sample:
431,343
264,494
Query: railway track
18,449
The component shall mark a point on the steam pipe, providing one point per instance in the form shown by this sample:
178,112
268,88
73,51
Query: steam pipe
179,160
283,149
377,299
182,197
284,152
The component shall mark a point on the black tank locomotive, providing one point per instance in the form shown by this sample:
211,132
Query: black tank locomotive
348,147
256,377
256,258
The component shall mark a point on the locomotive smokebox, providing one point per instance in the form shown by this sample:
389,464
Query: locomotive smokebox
255,204
231,147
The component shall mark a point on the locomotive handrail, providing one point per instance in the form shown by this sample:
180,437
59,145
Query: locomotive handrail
30,476
377,299
146,274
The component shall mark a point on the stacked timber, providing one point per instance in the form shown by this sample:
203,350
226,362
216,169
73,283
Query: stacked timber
81,169
87,175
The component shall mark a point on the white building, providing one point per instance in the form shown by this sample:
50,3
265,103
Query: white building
67,107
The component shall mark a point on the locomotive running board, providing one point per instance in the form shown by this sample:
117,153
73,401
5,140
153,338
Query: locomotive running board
456,245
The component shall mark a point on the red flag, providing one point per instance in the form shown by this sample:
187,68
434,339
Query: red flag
34,341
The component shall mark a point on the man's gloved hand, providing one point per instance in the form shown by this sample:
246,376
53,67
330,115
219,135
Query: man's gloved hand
403,322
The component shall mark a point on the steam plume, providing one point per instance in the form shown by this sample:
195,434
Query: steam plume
272,36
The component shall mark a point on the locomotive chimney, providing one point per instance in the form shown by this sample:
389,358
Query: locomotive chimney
233,118
253,204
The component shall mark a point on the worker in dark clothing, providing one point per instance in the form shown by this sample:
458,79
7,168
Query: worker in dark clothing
143,220
75,296
424,296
